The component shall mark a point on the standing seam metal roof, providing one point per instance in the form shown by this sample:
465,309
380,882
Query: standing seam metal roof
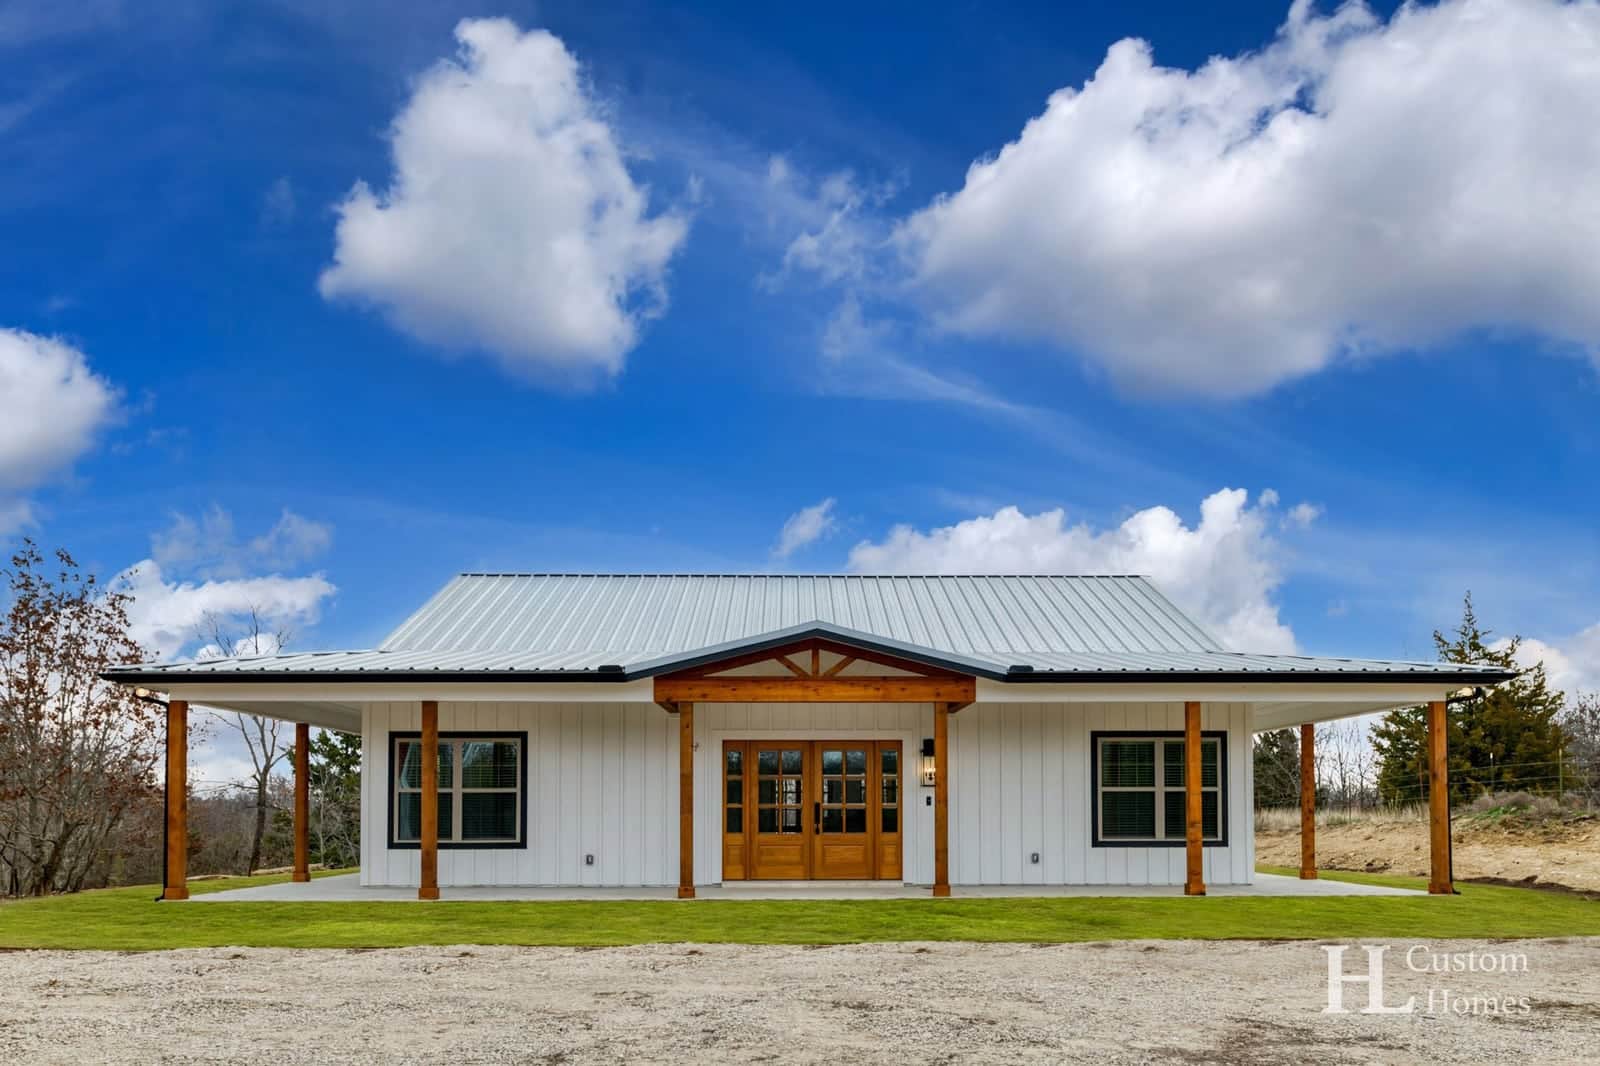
1012,626
627,614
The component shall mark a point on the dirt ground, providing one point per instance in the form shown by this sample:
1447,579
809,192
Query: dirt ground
1160,1001
1554,853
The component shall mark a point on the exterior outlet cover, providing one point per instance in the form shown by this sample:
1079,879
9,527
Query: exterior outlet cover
1034,858
588,860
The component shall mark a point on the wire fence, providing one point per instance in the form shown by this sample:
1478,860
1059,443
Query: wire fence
1357,784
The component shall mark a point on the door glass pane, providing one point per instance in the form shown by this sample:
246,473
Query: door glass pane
891,820
735,820
767,762
855,762
767,820
832,820
790,821
855,790
789,789
767,790
891,790
891,760
735,790
855,819
833,762
735,761
791,762
832,790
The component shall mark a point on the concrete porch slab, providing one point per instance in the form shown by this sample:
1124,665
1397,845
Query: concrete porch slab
347,888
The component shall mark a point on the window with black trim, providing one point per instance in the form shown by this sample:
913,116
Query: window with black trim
1139,788
482,790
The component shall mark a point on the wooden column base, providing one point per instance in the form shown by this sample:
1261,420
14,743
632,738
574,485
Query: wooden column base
941,891
428,893
686,892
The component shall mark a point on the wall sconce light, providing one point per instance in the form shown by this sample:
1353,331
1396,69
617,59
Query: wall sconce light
929,773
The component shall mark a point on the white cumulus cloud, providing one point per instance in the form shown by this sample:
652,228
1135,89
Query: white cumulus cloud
168,615
1571,665
202,577
511,224
805,526
1355,187
1223,571
55,405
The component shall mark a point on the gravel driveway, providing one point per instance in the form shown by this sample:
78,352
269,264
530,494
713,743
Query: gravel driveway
1159,1001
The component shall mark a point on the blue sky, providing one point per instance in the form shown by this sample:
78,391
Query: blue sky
1324,268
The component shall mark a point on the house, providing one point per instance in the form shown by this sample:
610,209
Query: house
697,729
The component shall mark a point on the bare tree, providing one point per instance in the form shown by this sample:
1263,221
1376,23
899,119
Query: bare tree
77,755
260,735
1345,765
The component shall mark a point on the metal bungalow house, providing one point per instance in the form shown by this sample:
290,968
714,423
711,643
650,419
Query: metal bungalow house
691,730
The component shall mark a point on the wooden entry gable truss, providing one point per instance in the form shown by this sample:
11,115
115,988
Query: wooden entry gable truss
805,679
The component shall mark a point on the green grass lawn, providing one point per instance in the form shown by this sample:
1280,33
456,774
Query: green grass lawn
129,919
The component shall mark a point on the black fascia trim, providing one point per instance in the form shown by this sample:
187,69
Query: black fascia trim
1409,677
521,843
1220,735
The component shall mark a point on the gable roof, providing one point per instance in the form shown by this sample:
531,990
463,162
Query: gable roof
599,627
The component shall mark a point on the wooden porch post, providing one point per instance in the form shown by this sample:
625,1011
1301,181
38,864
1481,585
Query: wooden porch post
428,886
177,886
1308,803
302,802
941,799
686,801
1439,879
1195,883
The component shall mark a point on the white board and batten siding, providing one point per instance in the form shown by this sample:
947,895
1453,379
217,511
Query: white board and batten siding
603,780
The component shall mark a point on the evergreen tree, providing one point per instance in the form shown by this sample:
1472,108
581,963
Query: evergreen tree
1277,768
1501,738
336,798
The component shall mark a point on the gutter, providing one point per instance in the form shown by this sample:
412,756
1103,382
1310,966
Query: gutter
618,675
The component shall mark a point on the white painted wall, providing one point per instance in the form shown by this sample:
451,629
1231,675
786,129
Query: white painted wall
602,780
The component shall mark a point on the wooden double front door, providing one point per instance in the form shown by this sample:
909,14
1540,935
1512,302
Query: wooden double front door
811,809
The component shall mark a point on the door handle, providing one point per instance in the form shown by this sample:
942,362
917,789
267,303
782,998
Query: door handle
816,817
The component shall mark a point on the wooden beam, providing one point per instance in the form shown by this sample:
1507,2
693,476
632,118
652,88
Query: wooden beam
686,801
815,690
302,803
1440,881
814,646
1195,882
792,666
941,799
1308,802
816,661
177,886
428,887
842,664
